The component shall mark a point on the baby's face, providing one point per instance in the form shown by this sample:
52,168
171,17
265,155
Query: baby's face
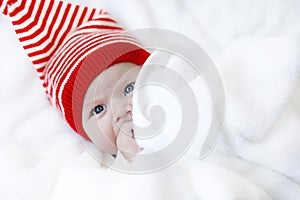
107,109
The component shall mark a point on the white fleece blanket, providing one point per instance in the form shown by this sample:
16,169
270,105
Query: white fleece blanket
255,47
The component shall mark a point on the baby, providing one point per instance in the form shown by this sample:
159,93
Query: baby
87,65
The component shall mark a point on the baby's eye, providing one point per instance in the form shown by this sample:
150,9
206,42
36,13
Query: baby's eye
129,88
98,109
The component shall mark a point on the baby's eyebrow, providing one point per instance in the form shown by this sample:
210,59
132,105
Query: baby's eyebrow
96,101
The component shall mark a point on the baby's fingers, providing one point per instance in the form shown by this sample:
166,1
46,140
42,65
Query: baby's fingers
126,144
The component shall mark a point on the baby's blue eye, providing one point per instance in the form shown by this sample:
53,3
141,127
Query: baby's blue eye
98,109
129,88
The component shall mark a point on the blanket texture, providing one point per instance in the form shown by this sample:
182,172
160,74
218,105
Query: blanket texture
255,46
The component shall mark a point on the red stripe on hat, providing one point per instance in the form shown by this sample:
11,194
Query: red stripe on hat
40,42
18,9
47,48
100,27
82,16
5,11
36,20
28,14
40,70
10,2
92,15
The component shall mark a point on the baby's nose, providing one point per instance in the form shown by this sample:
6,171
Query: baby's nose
123,109
130,104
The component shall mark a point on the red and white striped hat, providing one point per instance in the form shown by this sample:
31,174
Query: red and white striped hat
69,46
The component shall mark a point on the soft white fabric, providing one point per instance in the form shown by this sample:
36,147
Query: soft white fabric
255,47
171,75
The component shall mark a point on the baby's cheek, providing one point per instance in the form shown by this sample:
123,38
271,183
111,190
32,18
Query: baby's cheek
107,129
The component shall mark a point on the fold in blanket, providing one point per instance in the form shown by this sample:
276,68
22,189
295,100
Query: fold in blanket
258,154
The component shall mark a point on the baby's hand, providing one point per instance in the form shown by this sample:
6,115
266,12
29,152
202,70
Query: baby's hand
126,142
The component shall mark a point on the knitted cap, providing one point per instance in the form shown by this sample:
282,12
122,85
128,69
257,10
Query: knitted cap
70,46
